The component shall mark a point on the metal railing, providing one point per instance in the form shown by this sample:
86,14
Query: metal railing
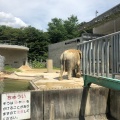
101,56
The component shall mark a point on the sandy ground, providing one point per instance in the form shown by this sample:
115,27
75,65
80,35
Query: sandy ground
41,79
44,80
30,74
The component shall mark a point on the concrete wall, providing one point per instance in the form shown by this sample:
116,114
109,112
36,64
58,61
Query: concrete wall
69,104
115,104
55,50
2,60
108,27
37,105
75,104
14,56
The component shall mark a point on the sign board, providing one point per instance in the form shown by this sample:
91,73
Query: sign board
15,106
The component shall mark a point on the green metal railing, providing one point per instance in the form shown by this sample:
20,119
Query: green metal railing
102,81
101,61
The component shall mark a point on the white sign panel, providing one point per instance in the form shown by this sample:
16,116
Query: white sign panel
16,106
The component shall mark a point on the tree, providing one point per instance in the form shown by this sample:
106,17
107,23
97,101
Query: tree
61,30
56,30
71,26
37,42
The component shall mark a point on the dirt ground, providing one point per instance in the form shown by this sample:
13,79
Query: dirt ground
44,80
27,74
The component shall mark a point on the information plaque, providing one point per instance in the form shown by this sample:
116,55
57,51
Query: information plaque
15,106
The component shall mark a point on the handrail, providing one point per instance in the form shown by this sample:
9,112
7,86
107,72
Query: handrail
102,81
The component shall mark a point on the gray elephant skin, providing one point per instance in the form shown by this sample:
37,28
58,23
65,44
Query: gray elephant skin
70,62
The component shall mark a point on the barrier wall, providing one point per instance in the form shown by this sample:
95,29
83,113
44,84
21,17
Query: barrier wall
75,104
2,60
37,105
115,104
69,104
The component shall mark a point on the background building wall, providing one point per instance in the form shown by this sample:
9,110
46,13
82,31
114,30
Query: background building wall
14,57
55,50
108,27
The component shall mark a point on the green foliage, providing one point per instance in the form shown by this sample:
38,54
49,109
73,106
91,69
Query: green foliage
37,64
61,30
56,30
37,41
10,69
71,26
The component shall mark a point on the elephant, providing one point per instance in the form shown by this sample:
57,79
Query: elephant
70,63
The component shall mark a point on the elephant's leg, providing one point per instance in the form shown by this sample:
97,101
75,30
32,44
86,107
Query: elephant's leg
78,74
73,72
69,74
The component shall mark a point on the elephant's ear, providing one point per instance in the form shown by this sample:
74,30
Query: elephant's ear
80,53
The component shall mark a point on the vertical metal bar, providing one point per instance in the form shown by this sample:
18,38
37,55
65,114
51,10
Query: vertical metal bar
86,58
107,57
87,63
112,56
83,62
97,57
119,48
90,58
116,55
114,51
81,48
102,57
119,53
93,57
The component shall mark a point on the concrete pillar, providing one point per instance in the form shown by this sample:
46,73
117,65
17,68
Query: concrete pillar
49,65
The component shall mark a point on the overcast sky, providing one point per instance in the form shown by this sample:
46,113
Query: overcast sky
38,13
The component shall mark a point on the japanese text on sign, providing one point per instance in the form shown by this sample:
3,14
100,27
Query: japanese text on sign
16,106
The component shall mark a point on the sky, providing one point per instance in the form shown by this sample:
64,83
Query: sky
38,13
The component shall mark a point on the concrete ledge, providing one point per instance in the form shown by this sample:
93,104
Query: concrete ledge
14,47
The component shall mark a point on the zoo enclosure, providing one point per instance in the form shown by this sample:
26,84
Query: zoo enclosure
101,59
